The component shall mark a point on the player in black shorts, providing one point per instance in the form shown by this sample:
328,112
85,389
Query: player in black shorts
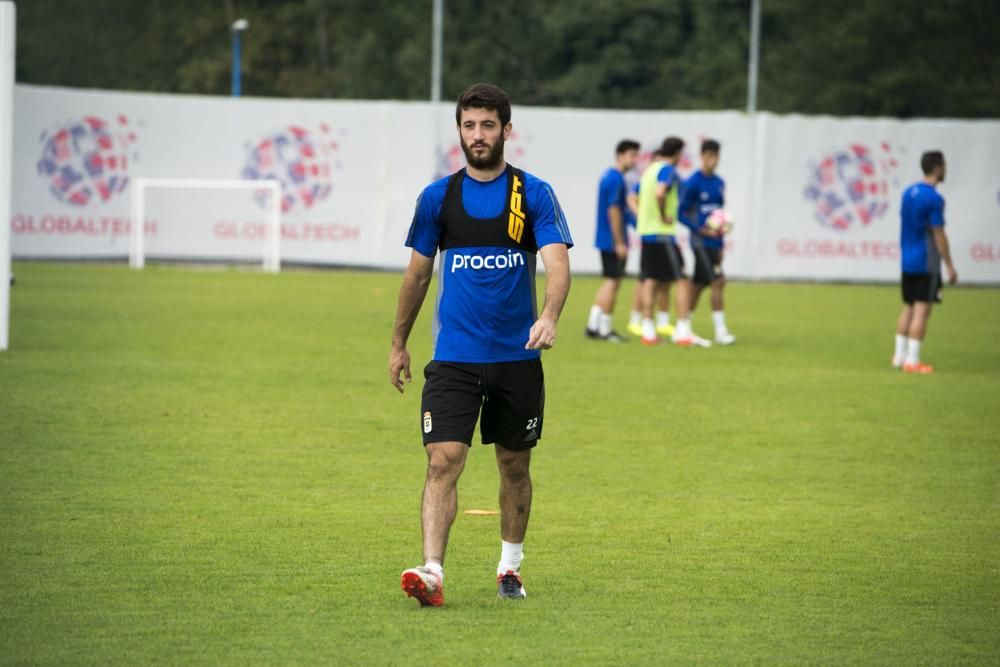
489,222
611,240
661,262
704,198
923,246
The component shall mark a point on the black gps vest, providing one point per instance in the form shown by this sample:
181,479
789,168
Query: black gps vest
511,229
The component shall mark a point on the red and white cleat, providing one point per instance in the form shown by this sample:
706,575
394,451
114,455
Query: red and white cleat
424,585
918,368
693,341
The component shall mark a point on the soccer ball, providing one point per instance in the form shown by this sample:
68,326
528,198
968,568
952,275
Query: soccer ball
720,221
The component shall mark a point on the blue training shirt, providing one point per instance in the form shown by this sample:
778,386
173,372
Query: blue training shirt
921,211
611,192
486,304
702,195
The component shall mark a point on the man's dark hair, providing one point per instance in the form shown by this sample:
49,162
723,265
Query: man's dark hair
671,146
930,161
484,96
710,146
626,145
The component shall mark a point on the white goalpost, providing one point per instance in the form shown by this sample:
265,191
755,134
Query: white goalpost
271,248
7,37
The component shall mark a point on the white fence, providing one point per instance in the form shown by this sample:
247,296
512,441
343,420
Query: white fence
814,198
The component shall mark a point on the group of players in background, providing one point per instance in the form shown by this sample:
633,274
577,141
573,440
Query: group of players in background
660,199
654,205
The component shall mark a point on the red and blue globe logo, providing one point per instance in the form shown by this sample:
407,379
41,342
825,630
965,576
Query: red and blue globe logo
300,159
86,161
850,188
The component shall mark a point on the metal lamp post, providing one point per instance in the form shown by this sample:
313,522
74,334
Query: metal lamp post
239,25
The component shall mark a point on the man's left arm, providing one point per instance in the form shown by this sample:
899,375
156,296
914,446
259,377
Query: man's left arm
555,256
941,239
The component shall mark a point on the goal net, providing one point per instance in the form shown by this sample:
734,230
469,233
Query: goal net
206,220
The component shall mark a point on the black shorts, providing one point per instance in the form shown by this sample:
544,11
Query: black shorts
707,264
922,287
611,265
510,394
662,261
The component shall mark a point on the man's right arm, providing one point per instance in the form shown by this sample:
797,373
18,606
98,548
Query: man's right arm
411,297
684,210
661,202
944,249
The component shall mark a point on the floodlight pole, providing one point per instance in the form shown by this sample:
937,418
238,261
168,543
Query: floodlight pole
236,29
8,23
754,56
437,26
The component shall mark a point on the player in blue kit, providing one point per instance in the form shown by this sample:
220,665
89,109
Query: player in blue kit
488,221
705,192
611,239
923,245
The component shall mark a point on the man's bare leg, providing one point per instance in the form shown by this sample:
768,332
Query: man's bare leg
445,462
515,508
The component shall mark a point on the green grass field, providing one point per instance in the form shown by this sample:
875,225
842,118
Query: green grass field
210,467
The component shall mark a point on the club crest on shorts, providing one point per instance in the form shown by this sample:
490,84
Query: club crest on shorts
427,422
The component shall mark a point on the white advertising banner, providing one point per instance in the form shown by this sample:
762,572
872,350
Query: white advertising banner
831,193
812,198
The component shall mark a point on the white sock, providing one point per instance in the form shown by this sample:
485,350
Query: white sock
511,555
684,328
663,319
436,568
912,351
648,329
900,347
604,324
594,320
719,318
635,317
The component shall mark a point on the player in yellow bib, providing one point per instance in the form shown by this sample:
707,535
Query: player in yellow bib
661,263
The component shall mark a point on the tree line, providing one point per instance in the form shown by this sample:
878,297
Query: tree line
850,57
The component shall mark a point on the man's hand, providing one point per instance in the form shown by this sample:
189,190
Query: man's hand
542,335
399,367
952,275
621,249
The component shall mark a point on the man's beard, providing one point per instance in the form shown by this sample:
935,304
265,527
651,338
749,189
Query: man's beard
491,160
